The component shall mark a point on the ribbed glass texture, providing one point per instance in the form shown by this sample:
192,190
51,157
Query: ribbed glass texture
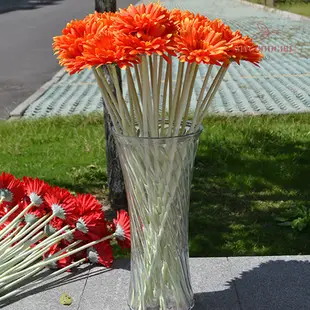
158,175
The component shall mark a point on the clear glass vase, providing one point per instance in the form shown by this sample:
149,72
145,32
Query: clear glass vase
158,175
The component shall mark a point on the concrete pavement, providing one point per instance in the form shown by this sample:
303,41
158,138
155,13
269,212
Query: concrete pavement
27,59
227,283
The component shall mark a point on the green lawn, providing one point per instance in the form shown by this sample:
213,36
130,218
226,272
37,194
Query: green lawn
249,171
299,7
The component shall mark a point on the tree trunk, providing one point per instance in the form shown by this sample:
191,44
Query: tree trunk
117,193
105,5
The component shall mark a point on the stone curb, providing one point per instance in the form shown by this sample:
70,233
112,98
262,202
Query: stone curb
286,14
18,112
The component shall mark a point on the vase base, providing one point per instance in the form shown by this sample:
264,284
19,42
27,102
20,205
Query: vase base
158,308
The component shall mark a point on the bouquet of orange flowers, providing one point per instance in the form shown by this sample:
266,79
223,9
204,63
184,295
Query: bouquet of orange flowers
44,226
144,40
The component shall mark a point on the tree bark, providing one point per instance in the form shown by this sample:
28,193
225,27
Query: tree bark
117,192
105,5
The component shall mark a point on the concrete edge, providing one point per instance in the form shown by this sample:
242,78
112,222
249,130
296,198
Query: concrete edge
286,14
18,112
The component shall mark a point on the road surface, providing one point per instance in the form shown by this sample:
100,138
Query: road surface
26,56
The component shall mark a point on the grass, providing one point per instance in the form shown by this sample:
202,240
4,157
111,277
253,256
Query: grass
67,152
248,171
299,7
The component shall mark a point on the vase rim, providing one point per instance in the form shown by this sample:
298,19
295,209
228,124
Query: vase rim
187,135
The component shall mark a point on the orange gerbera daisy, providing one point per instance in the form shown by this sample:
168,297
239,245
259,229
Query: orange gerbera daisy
239,47
248,51
198,42
70,45
146,29
178,16
103,49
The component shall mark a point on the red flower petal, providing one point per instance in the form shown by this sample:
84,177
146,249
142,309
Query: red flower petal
11,190
101,253
62,203
35,190
86,204
91,227
122,223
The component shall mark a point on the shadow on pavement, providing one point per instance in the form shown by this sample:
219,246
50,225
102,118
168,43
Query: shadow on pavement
78,274
13,5
273,285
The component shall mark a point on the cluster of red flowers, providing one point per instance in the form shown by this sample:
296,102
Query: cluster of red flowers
121,37
81,214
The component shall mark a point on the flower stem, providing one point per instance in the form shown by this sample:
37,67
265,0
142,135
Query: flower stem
210,95
7,239
10,241
112,110
159,82
24,277
32,284
135,98
192,84
56,257
200,97
169,64
177,94
21,242
138,79
155,95
32,229
15,222
19,252
122,104
145,97
190,74
163,114
35,253
6,216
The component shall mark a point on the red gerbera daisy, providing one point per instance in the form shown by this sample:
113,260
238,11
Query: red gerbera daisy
122,232
87,203
91,227
54,225
35,190
11,190
101,253
34,214
62,203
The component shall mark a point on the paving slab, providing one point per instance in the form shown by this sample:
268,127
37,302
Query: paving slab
233,283
109,290
272,283
46,296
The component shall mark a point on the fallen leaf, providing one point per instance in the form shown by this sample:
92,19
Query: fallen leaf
65,299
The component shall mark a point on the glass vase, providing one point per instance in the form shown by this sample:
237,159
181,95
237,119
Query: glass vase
158,176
